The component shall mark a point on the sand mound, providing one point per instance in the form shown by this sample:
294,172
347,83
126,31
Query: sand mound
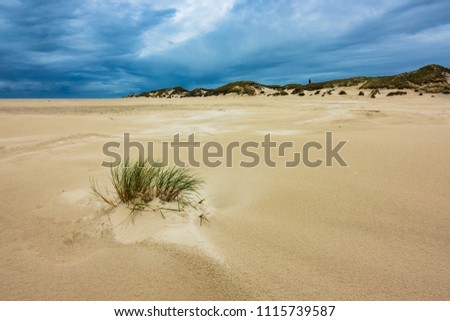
160,222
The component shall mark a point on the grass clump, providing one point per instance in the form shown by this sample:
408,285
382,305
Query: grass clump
139,183
396,93
374,93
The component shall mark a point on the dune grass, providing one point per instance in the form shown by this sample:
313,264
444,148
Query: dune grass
396,93
137,184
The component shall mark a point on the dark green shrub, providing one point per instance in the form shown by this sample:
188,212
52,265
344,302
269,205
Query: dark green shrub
396,93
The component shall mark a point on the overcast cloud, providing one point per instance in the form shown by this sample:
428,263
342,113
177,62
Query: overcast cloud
94,48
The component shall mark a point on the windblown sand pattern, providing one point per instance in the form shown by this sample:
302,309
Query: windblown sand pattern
375,230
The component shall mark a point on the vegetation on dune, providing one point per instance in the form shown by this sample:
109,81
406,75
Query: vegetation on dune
335,83
428,74
328,92
280,93
289,86
198,92
274,87
387,82
164,93
298,91
139,183
238,87
374,93
431,79
396,93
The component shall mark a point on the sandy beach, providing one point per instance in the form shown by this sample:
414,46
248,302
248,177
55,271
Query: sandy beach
377,229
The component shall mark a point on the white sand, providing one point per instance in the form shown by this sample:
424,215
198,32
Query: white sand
376,230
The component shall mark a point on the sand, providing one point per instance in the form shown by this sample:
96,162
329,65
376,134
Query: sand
375,230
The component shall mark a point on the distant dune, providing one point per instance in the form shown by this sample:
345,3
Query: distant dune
428,79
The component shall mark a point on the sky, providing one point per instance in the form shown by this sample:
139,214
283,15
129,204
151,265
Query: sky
111,48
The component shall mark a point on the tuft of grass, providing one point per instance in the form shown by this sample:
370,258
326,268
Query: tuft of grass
106,198
134,182
139,183
176,184
374,93
396,93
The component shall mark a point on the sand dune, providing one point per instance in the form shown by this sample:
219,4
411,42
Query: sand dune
375,230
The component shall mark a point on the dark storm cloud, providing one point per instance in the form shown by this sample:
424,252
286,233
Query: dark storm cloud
97,48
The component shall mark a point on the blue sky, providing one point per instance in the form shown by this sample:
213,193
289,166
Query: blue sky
95,48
